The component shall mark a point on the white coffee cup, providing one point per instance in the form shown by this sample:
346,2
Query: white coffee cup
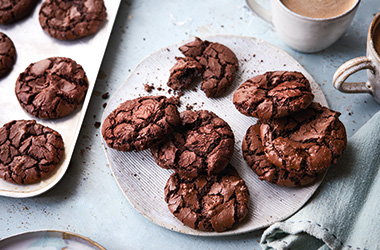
371,63
303,33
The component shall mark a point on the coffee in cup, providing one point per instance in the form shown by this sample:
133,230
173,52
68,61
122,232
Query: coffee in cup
319,8
308,25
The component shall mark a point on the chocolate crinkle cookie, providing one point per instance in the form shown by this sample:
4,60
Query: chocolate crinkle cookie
7,54
52,88
307,142
14,10
273,95
184,73
208,203
253,153
71,20
140,123
219,66
29,152
204,144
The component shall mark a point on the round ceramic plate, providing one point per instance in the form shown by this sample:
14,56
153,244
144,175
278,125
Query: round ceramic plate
48,240
143,182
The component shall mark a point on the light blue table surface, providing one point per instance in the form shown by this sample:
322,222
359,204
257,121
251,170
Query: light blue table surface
88,201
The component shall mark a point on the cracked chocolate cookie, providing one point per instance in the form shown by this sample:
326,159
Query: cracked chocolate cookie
29,152
140,123
204,144
71,20
307,142
14,10
219,65
52,88
208,203
184,73
253,153
273,95
7,54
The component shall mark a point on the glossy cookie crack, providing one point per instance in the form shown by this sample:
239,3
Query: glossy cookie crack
253,153
305,142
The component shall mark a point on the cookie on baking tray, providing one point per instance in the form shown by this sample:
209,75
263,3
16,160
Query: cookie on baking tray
29,151
71,20
14,10
7,54
52,88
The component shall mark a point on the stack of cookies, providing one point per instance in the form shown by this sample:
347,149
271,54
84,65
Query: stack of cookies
205,192
295,139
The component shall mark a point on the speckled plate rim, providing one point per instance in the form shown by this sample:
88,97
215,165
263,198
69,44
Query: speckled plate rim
73,235
201,233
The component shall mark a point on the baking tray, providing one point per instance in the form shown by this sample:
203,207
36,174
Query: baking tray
143,182
33,44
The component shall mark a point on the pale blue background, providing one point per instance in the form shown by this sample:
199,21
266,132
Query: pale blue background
88,201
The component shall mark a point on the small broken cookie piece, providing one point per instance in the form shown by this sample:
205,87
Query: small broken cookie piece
204,144
208,203
14,10
307,142
273,95
29,152
184,73
140,123
52,88
195,48
221,65
71,20
7,54
253,153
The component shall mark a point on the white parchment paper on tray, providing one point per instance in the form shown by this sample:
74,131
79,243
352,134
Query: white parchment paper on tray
143,182
33,44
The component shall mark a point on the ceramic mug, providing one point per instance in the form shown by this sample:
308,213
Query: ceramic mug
371,63
303,33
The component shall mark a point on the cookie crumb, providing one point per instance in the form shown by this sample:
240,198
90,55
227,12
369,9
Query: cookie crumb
106,95
148,87
189,107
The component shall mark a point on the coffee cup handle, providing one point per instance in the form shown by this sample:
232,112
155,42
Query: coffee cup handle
351,67
260,10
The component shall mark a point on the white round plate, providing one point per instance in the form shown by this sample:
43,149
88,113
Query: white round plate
143,182
48,240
